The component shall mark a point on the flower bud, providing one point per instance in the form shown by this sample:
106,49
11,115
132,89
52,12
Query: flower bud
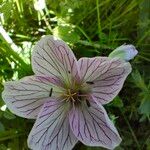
125,52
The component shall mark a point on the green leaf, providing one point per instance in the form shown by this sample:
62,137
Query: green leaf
138,80
117,102
5,8
145,107
67,33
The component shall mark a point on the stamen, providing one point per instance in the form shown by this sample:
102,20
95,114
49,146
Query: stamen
67,99
69,96
74,96
73,99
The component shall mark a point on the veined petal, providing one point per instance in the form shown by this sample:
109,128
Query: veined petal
26,96
90,68
105,76
92,126
51,130
52,57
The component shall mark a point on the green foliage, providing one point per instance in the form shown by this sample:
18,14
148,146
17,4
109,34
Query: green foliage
92,28
144,95
117,102
67,33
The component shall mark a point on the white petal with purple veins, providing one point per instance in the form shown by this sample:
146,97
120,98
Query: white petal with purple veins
26,96
52,57
92,126
90,68
51,130
107,77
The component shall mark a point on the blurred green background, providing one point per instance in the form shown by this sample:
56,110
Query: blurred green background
91,28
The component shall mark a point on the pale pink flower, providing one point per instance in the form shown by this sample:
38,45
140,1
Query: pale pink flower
65,96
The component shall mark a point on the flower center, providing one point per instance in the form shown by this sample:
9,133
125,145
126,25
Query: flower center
75,97
76,94
70,95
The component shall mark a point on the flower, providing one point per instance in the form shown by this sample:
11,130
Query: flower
125,52
65,96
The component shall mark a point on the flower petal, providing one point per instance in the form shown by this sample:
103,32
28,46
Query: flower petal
26,96
51,130
106,76
90,68
92,126
52,57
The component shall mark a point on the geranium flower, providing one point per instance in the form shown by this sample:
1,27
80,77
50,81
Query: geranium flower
65,96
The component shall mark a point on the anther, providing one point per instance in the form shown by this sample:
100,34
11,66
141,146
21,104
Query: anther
90,82
50,94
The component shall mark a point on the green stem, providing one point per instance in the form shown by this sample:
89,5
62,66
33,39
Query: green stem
98,18
146,141
11,137
46,21
143,57
95,45
131,130
83,32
